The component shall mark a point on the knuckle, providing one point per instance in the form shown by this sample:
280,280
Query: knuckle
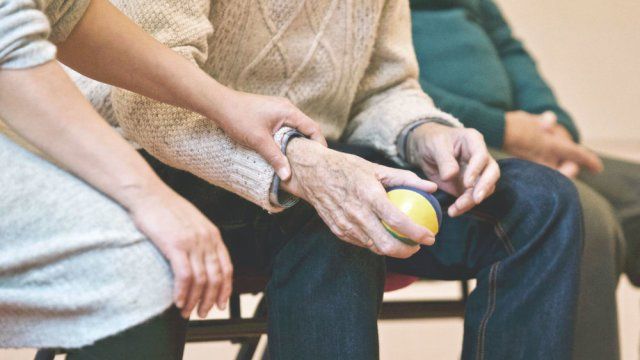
483,156
183,241
475,133
386,248
352,210
342,224
351,233
202,233
184,276
283,101
247,138
393,220
215,232
408,174
200,278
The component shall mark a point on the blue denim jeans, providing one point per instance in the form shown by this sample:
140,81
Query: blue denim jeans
523,245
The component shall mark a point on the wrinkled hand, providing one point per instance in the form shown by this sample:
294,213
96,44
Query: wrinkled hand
458,161
539,138
252,120
349,194
201,265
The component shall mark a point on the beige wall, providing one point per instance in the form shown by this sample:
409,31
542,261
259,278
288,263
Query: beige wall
589,50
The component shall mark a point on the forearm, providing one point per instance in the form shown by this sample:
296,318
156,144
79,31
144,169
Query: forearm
188,141
108,47
382,118
67,129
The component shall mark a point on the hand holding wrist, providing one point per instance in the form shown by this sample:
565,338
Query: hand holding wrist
348,194
303,155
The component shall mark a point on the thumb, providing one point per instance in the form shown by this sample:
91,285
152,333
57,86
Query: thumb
271,152
569,169
306,126
548,120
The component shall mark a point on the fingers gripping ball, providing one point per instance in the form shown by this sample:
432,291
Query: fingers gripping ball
421,207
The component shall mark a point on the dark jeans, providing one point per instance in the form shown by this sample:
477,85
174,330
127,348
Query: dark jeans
523,245
323,296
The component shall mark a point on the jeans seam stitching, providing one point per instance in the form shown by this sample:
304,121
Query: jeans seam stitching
493,276
498,229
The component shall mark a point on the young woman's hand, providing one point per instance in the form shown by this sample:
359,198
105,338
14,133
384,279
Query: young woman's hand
252,120
203,273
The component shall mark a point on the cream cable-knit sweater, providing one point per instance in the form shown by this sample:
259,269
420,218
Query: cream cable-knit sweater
348,64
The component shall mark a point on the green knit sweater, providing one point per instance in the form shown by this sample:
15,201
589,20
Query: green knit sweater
475,69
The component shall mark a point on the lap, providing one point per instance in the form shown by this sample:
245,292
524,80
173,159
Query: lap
525,197
39,200
606,198
65,250
619,183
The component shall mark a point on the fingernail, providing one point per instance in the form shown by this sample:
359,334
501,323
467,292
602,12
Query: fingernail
284,173
480,196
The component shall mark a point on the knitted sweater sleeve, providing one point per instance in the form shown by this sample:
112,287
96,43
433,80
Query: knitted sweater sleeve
28,29
178,137
530,91
389,97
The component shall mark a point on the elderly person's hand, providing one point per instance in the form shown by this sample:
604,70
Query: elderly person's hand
539,138
349,194
457,160
203,273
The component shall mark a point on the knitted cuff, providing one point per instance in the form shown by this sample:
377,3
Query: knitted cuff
278,197
403,137
67,17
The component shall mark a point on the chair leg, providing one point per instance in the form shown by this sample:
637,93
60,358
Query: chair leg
249,346
265,354
45,354
465,291
234,306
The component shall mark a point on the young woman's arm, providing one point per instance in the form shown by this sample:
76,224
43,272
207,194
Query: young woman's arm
106,46
43,106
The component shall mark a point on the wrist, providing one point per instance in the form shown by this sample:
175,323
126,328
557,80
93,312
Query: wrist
414,140
218,102
511,132
134,195
304,156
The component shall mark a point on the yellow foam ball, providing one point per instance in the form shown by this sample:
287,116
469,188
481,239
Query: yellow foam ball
416,205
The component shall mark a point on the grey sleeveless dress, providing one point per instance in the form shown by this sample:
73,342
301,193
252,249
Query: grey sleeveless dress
73,267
